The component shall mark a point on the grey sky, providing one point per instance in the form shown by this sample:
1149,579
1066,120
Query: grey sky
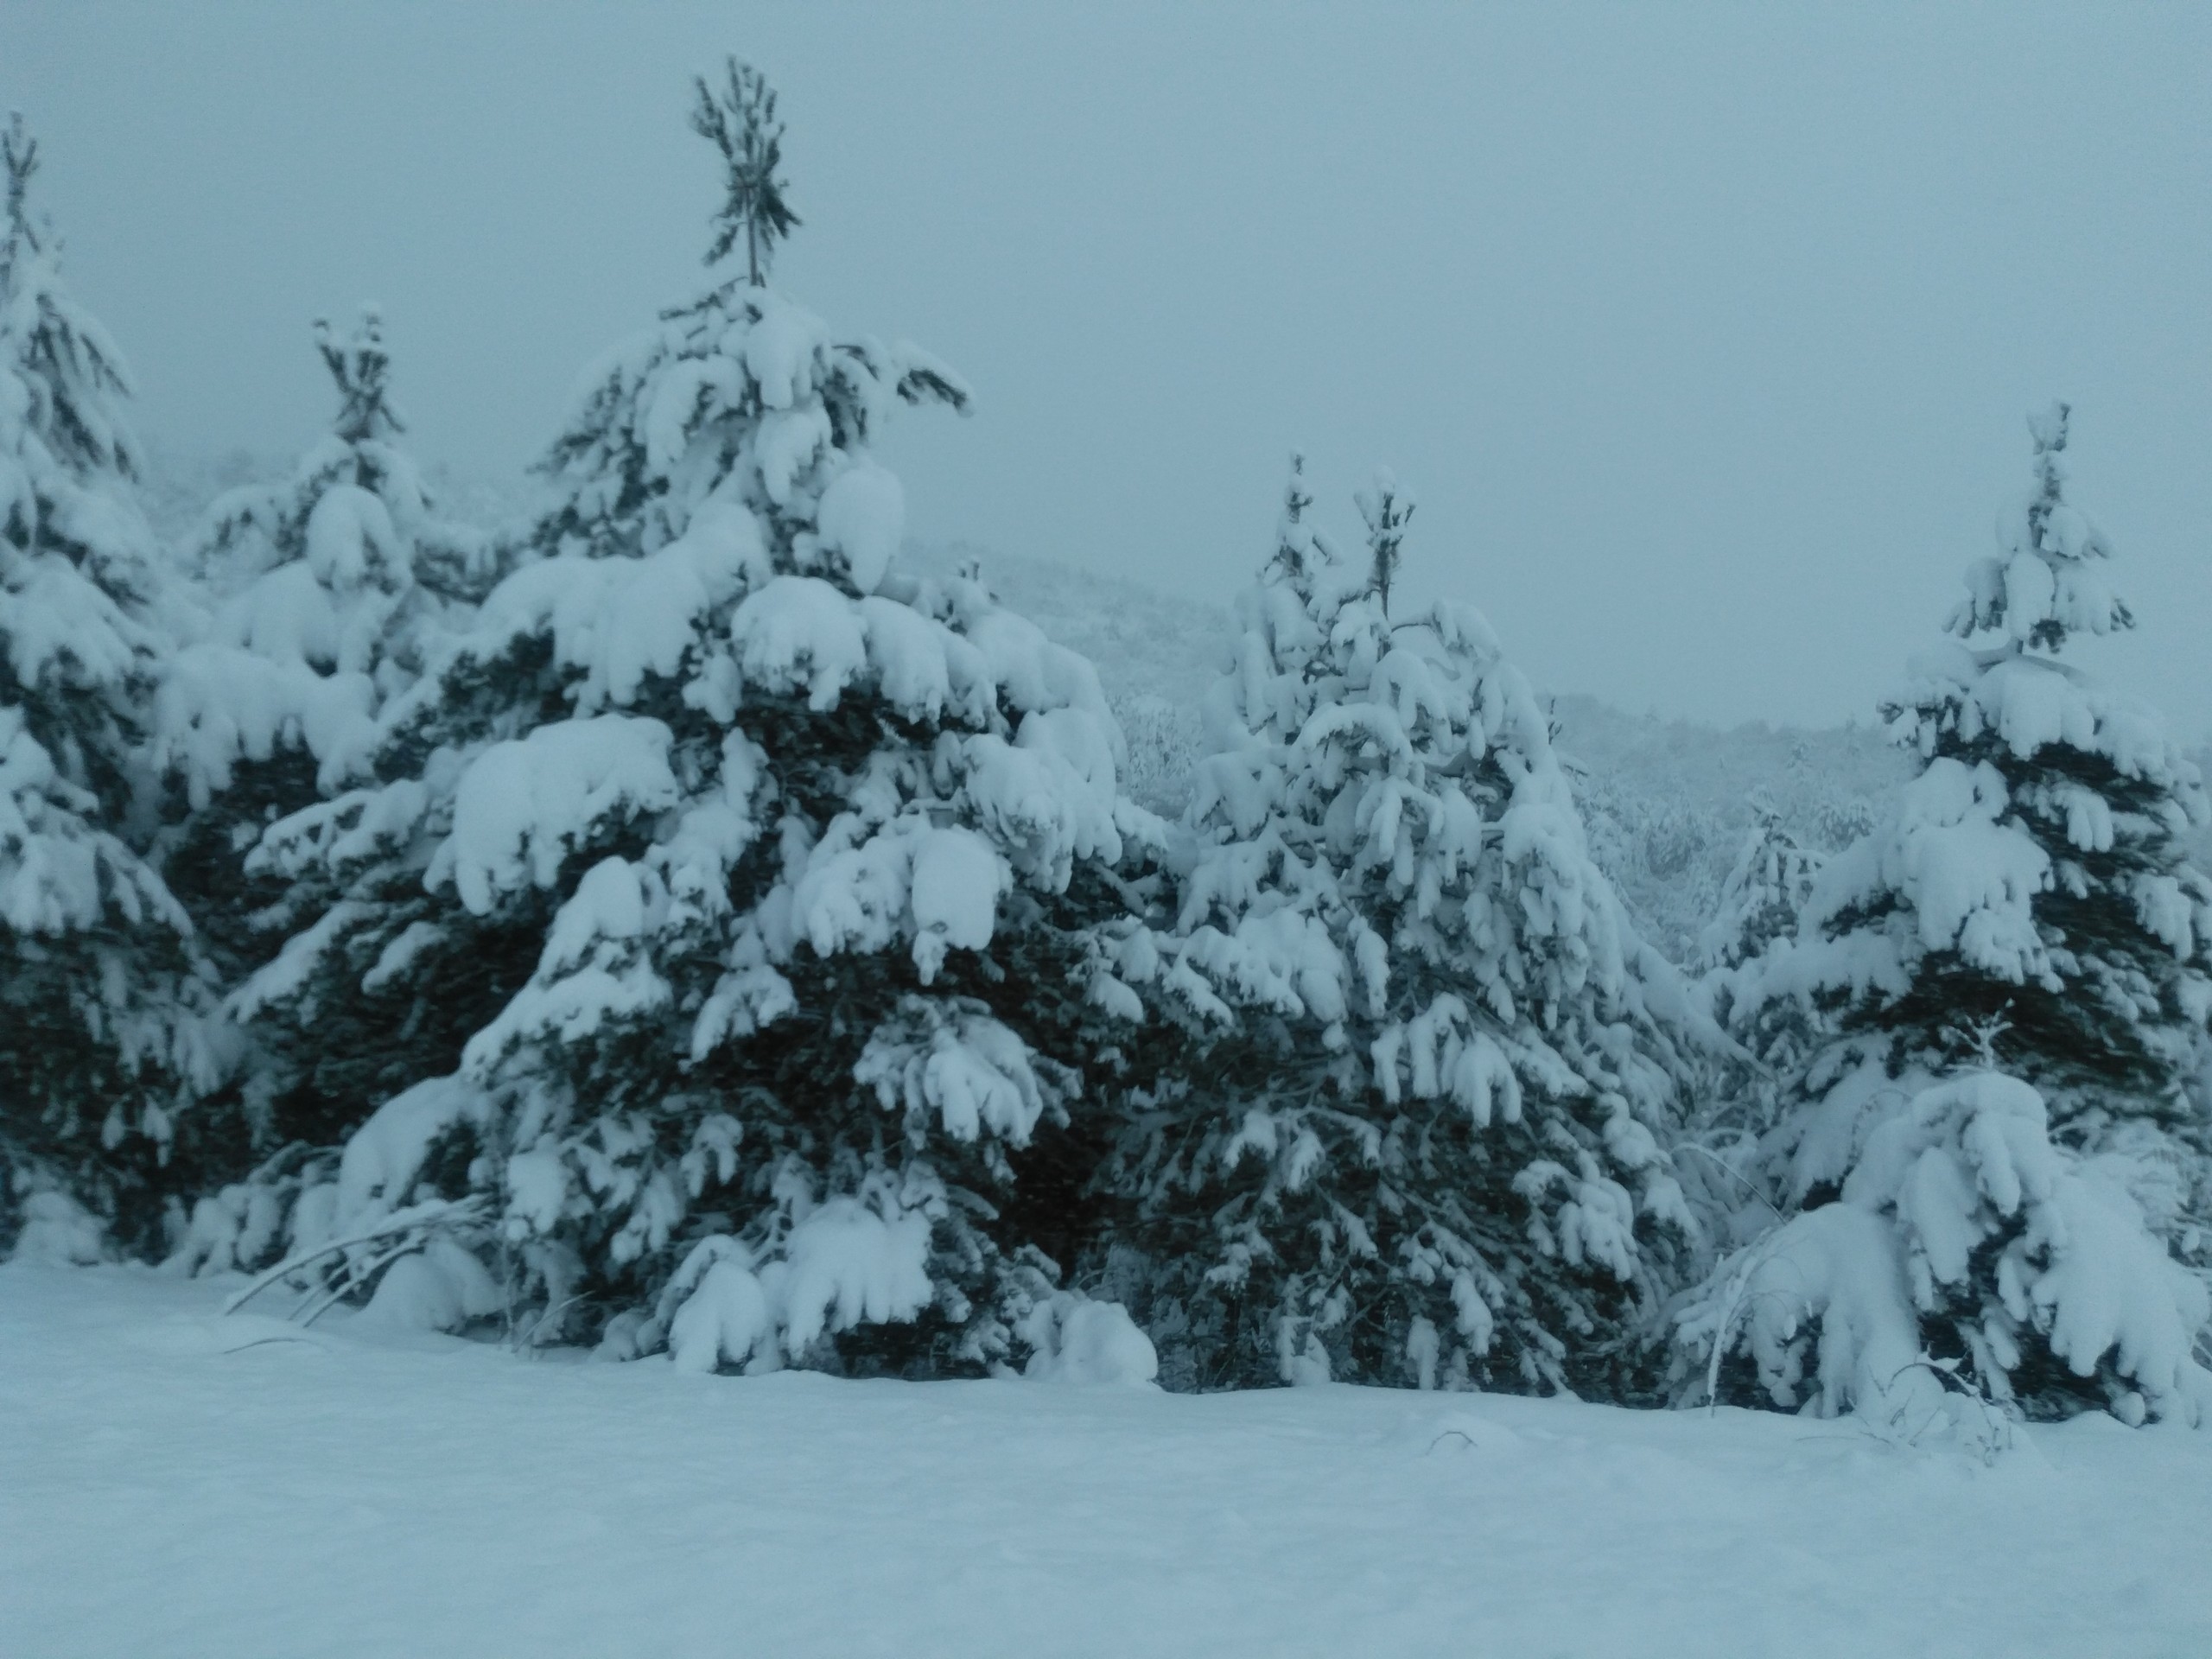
1704,335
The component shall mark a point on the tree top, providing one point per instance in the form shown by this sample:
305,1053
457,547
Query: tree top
362,368
739,121
19,157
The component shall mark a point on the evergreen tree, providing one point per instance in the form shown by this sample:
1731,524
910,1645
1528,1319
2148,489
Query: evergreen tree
1766,888
727,915
1766,891
2034,874
322,609
741,122
2012,970
356,511
324,604
105,1038
1418,1137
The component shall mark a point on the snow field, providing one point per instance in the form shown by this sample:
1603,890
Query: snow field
173,1483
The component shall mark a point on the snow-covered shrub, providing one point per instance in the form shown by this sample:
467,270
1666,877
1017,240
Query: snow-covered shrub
106,1035
245,1223
1420,1134
1073,1338
759,890
374,1218
52,1229
1966,1247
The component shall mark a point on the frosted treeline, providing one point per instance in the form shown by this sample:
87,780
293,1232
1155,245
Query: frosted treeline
682,918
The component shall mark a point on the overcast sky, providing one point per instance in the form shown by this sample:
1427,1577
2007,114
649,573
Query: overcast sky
1704,335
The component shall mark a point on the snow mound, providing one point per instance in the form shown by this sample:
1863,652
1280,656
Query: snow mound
845,1263
59,1232
1078,1340
1463,1432
442,1287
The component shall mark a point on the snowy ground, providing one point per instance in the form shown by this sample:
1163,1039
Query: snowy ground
171,1485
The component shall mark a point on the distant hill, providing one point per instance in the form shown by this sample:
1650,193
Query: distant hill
1669,802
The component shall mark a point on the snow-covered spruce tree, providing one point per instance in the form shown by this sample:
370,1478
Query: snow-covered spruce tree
1420,1135
2053,892
1766,891
103,1036
1766,888
2015,968
321,606
2034,872
730,907
357,518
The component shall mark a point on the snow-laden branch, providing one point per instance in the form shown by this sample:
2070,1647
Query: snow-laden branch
427,1214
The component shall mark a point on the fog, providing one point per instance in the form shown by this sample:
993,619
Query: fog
1704,335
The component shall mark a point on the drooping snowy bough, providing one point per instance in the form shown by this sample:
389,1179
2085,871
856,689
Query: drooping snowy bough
1421,1138
1965,1255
